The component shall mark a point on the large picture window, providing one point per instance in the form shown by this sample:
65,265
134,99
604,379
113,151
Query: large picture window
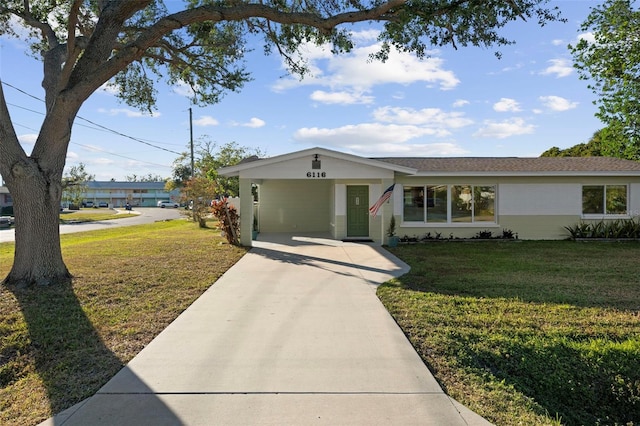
449,203
604,199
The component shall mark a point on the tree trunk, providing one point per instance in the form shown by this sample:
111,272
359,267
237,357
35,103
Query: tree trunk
38,256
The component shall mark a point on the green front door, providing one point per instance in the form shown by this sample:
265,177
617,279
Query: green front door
358,211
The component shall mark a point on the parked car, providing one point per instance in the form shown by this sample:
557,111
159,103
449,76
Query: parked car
87,204
6,221
103,204
163,204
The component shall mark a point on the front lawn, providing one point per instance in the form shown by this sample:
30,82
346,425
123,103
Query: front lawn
59,345
527,333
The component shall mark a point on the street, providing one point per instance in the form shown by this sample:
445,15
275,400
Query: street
140,216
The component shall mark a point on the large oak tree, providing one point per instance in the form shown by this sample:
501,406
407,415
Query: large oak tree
84,44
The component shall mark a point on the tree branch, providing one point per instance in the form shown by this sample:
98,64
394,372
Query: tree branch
216,13
73,52
11,151
47,32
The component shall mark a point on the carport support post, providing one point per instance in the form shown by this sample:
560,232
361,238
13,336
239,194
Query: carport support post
246,212
386,212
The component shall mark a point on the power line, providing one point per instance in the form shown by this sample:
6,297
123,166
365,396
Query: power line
94,148
93,127
100,126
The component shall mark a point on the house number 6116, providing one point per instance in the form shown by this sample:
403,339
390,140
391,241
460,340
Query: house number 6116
316,174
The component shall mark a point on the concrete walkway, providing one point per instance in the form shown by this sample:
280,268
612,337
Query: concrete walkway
293,334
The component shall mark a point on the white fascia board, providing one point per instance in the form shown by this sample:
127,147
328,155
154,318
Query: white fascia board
235,170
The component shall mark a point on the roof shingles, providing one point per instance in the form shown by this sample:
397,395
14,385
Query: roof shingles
515,164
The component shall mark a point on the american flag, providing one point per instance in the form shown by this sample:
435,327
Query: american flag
373,210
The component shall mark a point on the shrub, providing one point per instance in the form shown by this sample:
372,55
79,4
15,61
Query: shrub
229,220
616,229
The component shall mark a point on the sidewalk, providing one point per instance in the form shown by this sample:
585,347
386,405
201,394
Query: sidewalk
293,334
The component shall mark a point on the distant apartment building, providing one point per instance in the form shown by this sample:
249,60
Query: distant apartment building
137,194
116,194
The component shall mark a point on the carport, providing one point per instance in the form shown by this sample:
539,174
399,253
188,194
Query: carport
315,191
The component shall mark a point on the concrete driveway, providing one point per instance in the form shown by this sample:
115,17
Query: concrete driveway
293,334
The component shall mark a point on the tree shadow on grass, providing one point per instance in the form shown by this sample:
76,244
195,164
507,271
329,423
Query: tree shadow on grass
580,387
70,357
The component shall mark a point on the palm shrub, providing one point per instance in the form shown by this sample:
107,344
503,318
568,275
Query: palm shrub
618,229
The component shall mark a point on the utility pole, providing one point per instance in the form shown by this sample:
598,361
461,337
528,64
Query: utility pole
191,132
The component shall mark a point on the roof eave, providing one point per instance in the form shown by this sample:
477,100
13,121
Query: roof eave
529,174
233,171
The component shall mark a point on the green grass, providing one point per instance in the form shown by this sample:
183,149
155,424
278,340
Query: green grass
59,345
531,333
92,216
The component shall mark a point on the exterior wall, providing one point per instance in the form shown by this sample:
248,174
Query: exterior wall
534,207
297,194
295,205
539,227
377,223
634,200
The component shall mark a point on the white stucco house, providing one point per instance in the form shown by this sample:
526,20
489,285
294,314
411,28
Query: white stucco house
318,190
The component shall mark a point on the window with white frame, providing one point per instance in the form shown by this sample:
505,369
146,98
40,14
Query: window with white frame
449,203
604,199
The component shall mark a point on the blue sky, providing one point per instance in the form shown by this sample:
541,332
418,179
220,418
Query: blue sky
463,102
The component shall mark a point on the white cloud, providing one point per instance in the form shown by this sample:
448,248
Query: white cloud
28,138
255,123
363,134
559,68
101,161
589,37
557,42
357,72
557,103
109,88
504,129
128,112
28,141
506,105
460,103
205,121
343,97
426,117
395,131
374,139
407,149
515,67
183,89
